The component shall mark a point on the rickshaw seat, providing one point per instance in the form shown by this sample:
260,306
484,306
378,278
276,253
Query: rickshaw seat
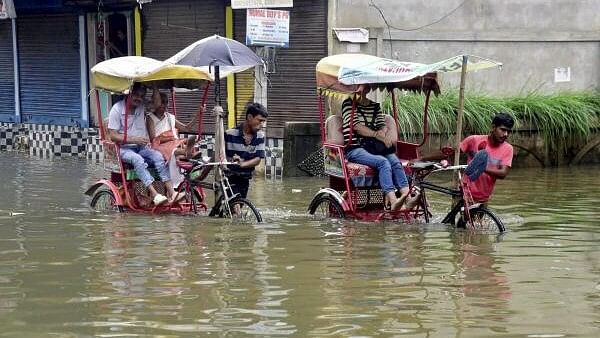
362,175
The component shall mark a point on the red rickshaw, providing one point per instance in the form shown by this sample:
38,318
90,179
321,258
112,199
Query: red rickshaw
353,190
123,190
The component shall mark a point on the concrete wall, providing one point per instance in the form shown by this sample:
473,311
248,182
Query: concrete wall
531,38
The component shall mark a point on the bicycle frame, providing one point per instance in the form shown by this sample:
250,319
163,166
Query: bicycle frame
222,189
464,204
419,181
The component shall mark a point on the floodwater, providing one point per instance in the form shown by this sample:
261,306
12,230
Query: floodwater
68,272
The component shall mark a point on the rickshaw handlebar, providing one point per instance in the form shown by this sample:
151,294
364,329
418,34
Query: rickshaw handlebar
202,163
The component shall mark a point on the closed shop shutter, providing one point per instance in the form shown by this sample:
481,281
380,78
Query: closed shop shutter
291,92
244,82
7,80
171,25
49,69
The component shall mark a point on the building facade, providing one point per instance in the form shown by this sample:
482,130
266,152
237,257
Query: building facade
47,51
544,46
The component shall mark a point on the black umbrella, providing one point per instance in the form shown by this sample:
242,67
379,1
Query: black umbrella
224,56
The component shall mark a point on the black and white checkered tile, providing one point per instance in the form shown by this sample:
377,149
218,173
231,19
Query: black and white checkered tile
6,138
41,144
50,140
274,159
93,145
12,136
68,143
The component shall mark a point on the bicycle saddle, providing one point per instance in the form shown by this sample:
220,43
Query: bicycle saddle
423,165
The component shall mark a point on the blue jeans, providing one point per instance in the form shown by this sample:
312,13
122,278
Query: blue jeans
389,168
139,157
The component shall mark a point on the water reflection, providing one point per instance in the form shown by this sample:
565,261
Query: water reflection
67,272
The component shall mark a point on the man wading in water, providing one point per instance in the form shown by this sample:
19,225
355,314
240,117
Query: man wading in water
499,159
245,144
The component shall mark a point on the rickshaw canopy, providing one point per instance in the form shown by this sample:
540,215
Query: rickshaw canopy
118,74
344,73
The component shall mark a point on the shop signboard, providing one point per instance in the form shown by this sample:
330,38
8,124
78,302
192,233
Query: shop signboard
240,4
267,27
7,9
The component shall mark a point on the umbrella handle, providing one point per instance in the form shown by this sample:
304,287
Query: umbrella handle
217,86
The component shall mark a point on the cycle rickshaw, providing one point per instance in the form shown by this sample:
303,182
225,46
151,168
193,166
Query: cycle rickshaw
123,191
353,190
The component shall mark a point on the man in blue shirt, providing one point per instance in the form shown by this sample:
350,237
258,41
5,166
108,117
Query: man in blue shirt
245,144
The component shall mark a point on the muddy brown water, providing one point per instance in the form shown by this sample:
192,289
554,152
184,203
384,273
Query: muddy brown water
69,272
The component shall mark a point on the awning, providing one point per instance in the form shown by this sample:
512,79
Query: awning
118,74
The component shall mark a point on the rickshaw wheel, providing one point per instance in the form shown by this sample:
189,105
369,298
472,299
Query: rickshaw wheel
244,210
422,214
104,200
197,201
326,207
482,220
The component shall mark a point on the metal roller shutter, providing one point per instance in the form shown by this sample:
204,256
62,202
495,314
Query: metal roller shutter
49,69
244,82
7,80
292,94
171,25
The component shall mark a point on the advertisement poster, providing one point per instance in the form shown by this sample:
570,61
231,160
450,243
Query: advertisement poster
267,27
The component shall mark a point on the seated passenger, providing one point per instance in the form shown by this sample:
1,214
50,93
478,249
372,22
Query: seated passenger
163,131
372,146
136,151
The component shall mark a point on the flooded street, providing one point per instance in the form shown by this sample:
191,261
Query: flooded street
68,272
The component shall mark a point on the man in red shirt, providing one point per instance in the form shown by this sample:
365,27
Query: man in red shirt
499,159
500,155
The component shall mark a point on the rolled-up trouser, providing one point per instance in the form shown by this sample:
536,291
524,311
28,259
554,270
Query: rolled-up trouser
239,185
139,157
389,168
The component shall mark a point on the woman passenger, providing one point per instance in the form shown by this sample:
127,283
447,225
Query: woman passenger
163,130
369,127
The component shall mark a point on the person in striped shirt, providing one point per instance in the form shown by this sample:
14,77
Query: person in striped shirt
369,121
245,145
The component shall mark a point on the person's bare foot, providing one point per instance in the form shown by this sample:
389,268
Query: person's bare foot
397,204
176,197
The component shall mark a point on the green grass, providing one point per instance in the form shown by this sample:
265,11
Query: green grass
562,119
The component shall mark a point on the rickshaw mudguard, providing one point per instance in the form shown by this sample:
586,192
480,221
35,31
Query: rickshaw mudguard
111,186
333,193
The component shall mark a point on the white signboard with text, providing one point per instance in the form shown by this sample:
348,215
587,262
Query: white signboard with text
562,74
238,4
7,9
267,27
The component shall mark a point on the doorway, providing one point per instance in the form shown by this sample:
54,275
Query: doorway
110,36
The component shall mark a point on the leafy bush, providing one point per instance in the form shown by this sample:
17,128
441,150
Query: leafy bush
562,119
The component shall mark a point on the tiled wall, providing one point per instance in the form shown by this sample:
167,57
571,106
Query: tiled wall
274,159
55,141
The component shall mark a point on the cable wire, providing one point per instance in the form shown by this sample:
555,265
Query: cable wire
389,26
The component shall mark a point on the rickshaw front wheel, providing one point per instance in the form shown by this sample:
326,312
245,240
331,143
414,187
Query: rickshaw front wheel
104,200
326,207
242,209
483,220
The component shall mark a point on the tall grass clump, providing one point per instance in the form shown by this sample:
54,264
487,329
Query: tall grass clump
562,119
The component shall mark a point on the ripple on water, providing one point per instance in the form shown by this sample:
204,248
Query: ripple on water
81,273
